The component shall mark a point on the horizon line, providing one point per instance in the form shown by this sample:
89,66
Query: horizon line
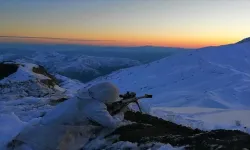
91,40
81,40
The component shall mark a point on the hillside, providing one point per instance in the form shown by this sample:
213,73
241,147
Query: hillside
204,87
19,80
215,77
197,94
27,92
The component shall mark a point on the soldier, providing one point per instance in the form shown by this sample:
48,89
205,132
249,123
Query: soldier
70,124
88,105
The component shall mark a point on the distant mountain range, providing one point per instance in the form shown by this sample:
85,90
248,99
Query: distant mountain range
81,67
83,63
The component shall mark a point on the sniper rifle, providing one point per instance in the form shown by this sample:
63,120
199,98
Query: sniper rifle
129,97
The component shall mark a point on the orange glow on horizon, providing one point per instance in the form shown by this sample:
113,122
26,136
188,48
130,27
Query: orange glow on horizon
174,42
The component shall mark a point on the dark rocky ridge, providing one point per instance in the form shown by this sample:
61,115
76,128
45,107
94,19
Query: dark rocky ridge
244,40
148,129
7,69
41,70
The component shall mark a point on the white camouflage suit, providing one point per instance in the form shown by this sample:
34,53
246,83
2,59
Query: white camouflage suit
68,125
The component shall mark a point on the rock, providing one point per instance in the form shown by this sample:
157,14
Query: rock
41,70
246,40
7,69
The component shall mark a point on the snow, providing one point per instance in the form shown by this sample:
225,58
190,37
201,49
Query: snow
188,110
206,89
29,107
69,85
26,108
79,64
213,77
101,143
10,127
227,117
26,83
17,112
154,146
168,147
206,118
24,73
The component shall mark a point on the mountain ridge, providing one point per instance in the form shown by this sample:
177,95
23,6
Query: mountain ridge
244,40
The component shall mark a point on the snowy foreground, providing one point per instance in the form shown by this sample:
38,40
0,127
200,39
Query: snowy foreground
205,89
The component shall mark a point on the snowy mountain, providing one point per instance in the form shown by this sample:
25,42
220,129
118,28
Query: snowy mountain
206,89
27,92
81,67
200,89
28,89
150,53
19,80
215,77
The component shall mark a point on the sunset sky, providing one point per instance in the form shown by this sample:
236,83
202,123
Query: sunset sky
173,23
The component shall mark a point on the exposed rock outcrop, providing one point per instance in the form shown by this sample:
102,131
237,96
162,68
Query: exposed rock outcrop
244,40
7,69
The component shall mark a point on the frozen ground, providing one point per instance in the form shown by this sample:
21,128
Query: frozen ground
206,118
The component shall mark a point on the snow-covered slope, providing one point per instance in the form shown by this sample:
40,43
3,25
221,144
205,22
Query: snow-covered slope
62,63
23,80
26,94
207,89
81,67
215,77
206,118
